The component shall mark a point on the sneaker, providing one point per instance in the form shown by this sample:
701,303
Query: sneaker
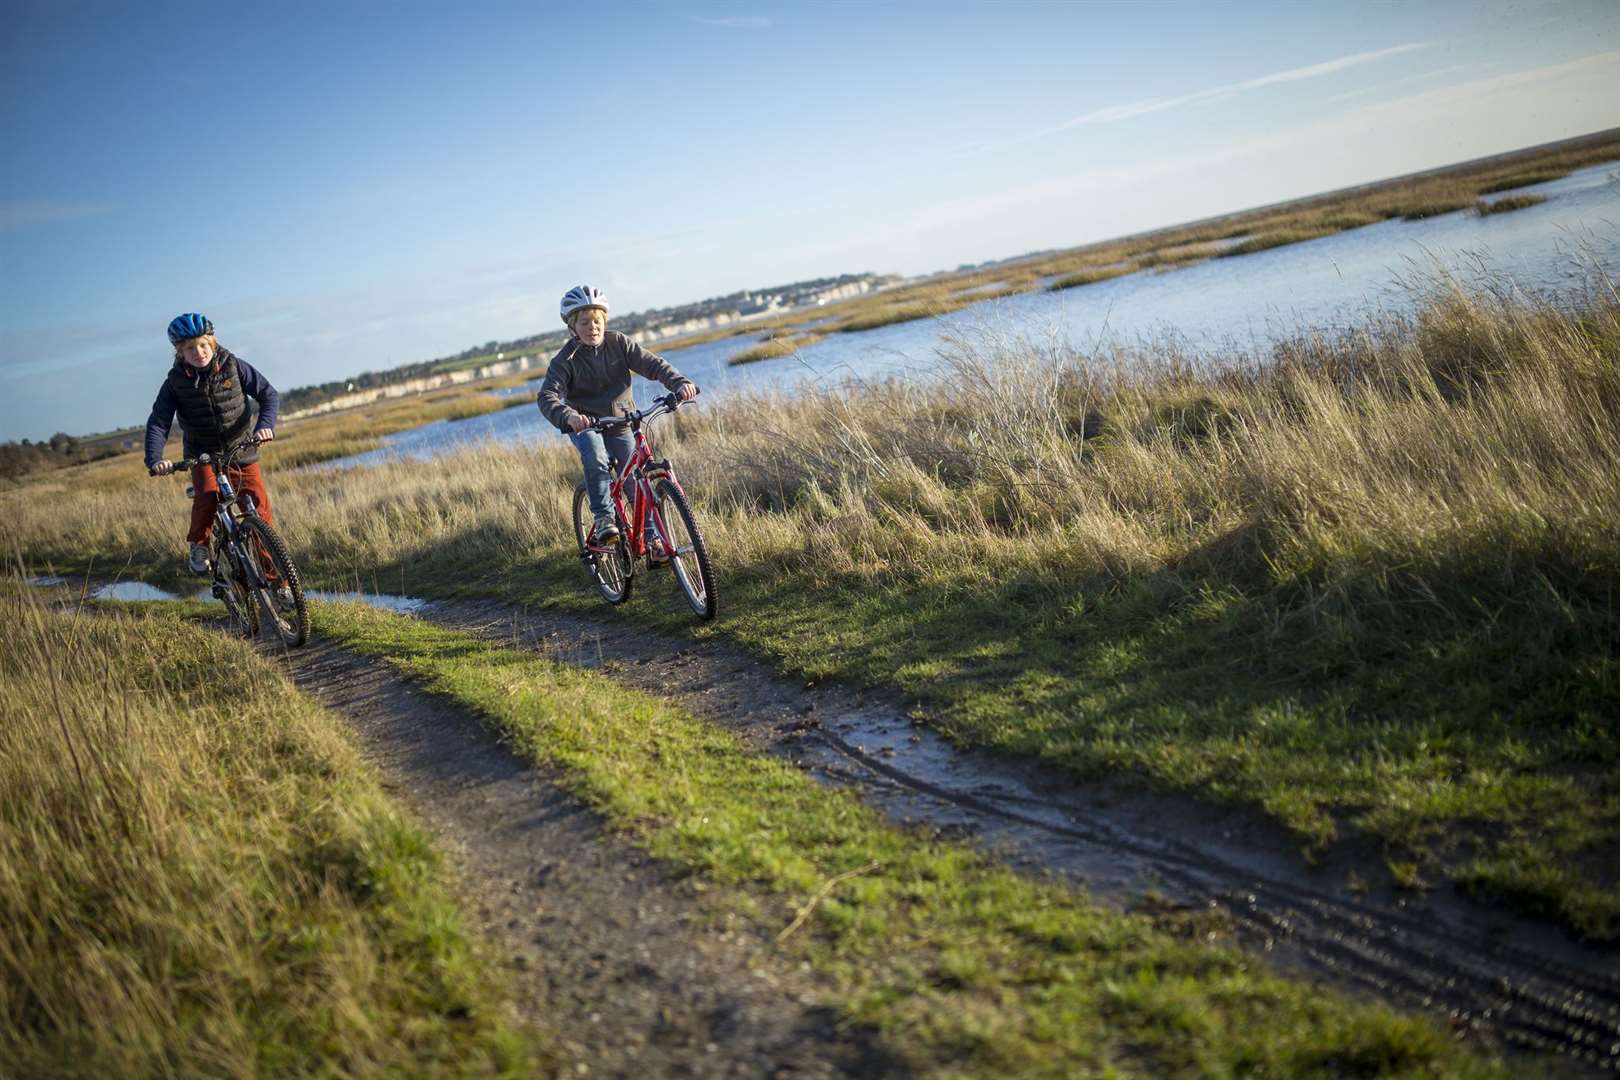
284,596
604,531
199,559
656,549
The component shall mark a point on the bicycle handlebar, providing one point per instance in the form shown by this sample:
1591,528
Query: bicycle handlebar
666,404
223,457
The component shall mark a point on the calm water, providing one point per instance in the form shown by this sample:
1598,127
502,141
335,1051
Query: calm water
1240,304
406,605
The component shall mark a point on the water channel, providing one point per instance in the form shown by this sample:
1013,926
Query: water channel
1232,306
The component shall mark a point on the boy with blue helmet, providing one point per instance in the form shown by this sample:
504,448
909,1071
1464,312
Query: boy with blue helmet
589,379
209,388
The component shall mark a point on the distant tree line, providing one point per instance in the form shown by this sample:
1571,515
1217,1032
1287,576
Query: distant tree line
20,458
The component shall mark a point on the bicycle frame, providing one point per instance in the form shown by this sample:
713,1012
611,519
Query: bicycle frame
632,491
224,521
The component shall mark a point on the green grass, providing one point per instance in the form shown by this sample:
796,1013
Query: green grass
962,966
1474,744
199,875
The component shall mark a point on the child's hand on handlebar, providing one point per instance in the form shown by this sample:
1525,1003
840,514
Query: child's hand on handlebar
162,468
264,434
577,422
687,392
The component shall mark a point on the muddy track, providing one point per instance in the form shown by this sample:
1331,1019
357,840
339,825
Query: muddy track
1497,979
623,965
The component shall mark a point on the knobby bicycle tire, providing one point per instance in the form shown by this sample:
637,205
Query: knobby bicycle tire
690,563
290,622
609,573
231,585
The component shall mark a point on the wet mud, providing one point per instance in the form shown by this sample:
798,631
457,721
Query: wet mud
1495,978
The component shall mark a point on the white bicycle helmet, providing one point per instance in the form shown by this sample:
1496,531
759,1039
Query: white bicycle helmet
580,297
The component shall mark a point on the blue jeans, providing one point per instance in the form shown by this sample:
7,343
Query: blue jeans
594,450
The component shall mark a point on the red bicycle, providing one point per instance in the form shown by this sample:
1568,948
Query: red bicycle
655,522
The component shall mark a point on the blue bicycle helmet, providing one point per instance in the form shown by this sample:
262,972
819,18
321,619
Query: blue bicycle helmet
188,326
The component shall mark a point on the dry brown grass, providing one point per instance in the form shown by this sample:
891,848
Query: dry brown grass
199,876
1508,205
1156,459
773,348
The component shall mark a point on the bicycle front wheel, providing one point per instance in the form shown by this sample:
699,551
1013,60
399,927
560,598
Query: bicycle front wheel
285,613
688,554
609,571
231,586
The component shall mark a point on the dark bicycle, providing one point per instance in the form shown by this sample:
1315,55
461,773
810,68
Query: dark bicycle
242,548
655,522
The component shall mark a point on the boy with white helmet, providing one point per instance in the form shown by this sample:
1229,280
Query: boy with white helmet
589,379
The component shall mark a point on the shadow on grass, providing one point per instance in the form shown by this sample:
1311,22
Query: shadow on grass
1461,714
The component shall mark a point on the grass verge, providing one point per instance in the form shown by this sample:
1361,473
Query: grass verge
199,876
965,968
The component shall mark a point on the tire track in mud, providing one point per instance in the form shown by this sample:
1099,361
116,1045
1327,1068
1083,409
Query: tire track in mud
1495,978
619,960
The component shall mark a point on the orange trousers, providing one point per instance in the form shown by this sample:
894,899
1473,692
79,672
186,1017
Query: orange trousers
205,496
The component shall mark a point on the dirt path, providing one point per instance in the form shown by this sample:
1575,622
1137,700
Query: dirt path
619,959
1500,979
638,978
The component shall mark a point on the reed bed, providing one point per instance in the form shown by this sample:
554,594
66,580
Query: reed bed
774,347
1508,205
199,875
1088,277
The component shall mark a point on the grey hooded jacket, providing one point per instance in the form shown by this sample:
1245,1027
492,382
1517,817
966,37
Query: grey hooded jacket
594,383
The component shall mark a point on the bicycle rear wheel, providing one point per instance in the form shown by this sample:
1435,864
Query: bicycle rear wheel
689,555
608,571
288,617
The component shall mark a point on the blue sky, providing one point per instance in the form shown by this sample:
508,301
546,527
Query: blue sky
353,186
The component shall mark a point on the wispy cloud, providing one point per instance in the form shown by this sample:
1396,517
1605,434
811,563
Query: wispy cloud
737,22
1474,90
1405,80
27,213
1114,113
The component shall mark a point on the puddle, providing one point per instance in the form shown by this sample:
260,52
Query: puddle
140,590
132,590
404,604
